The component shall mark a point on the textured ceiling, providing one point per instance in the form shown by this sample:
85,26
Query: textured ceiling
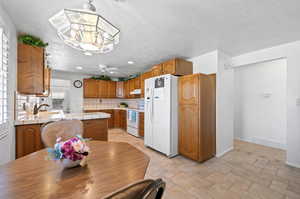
156,30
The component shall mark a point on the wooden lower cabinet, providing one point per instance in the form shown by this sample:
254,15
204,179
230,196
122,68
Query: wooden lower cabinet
95,129
123,119
109,111
188,131
117,120
111,119
120,119
141,124
28,137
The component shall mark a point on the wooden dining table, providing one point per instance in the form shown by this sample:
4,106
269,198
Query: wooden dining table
110,166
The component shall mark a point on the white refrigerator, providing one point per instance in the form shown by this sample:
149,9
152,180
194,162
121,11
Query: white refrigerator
161,114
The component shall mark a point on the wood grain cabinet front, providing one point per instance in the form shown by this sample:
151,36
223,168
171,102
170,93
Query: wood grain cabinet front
123,119
189,131
120,119
117,118
197,116
96,129
177,67
141,124
144,76
111,119
90,88
28,139
120,90
157,70
30,74
189,89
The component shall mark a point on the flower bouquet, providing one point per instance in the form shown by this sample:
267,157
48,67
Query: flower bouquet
71,153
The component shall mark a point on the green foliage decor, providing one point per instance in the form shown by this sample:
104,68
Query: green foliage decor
121,79
124,104
101,77
31,40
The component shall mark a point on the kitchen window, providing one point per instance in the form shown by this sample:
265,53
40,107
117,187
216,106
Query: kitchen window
3,83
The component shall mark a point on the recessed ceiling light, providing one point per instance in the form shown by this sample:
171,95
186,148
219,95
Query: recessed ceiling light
130,62
111,72
79,68
88,53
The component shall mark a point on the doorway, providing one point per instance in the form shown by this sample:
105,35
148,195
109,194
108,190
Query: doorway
260,103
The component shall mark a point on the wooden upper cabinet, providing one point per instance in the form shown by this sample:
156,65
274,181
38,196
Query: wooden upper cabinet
47,80
111,89
90,88
169,67
157,70
137,83
99,88
144,76
189,89
103,89
131,87
177,67
126,89
120,90
30,69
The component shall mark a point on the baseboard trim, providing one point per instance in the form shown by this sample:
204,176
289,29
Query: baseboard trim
292,165
268,143
224,152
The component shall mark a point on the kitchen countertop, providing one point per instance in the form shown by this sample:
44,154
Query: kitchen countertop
111,108
58,115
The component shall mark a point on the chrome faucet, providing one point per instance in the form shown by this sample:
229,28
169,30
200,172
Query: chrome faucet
36,108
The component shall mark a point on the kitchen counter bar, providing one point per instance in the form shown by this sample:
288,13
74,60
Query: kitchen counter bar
38,119
111,108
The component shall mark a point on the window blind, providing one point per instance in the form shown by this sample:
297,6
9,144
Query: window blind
4,47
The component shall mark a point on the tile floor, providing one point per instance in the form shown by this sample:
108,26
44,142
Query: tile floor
250,171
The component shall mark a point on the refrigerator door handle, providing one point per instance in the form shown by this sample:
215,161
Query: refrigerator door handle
152,105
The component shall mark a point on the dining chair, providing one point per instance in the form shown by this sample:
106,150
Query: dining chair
65,129
146,189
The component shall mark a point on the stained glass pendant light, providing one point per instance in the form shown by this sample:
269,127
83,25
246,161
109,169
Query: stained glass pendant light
85,30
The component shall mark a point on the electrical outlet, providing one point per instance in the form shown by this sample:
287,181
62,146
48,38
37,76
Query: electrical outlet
298,101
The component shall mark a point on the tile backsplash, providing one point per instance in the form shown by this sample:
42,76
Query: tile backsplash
110,103
24,103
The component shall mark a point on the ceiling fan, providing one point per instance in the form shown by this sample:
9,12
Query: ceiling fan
106,70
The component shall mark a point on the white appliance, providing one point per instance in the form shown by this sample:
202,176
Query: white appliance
161,114
133,122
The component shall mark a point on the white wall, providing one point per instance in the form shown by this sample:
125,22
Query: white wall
216,62
291,52
206,63
225,105
75,94
10,31
260,103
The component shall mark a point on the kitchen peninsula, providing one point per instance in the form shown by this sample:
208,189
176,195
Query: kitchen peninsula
28,128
